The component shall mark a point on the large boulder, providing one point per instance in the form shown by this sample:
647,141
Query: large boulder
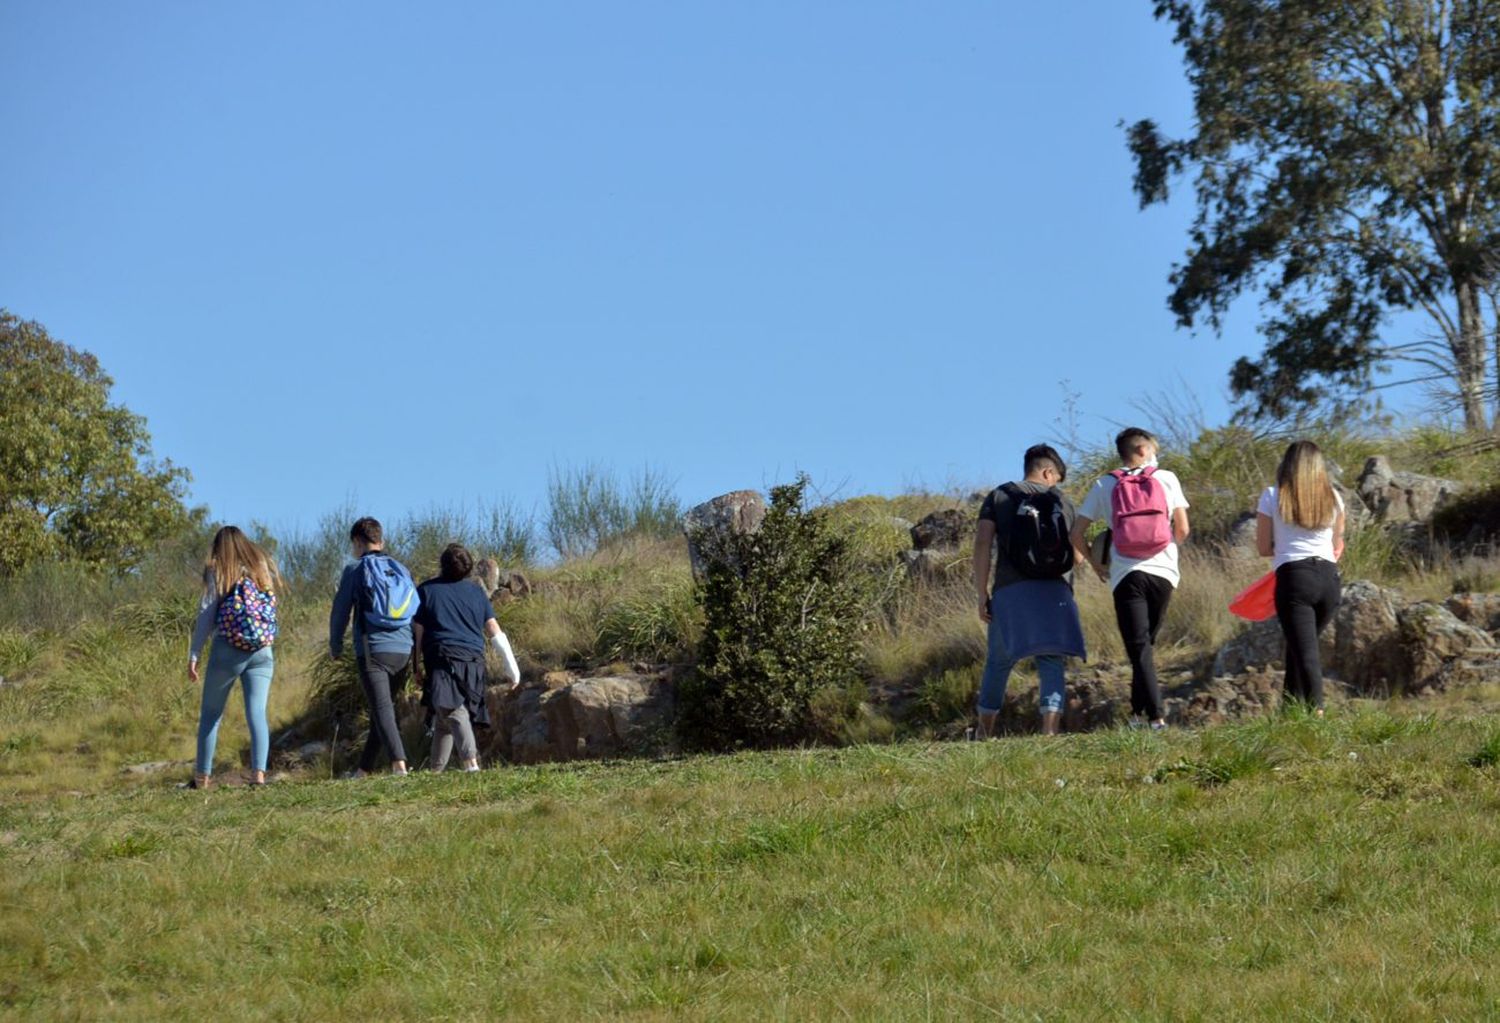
1259,646
707,525
942,530
1481,610
562,717
1239,541
1247,694
928,566
1394,496
1440,652
1366,649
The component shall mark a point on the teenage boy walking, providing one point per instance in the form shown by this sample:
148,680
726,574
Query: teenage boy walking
378,592
1030,611
1147,514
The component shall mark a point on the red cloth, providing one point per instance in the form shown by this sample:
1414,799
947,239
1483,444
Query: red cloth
1256,602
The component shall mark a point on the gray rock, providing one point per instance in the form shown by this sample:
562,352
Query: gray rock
567,718
1481,610
924,566
1259,646
1440,651
310,751
942,530
1239,542
1394,496
709,525
1366,652
152,767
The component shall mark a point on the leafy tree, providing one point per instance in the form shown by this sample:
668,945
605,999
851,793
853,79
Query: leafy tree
1347,160
782,617
79,480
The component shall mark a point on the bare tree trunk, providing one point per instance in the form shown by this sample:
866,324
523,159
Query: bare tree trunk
1469,357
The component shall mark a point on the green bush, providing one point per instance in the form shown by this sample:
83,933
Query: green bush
782,618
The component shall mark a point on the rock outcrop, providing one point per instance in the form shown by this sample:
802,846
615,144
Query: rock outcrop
564,717
942,530
1393,496
709,524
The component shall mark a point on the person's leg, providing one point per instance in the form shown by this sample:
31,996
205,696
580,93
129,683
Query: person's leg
1133,616
1324,606
379,675
255,684
442,740
1158,592
468,749
997,668
218,679
1053,690
1296,592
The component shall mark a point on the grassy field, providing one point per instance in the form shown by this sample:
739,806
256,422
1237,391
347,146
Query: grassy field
1287,869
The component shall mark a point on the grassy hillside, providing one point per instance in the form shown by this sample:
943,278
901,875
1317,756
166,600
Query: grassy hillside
1286,869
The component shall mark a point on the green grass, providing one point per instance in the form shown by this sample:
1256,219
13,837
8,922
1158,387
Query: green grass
1292,868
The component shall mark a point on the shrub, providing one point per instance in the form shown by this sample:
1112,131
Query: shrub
782,616
655,626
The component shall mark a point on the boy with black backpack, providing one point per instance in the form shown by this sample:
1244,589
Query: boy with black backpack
379,593
1030,610
1147,514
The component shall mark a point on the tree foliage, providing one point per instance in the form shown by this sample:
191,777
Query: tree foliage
79,479
782,617
1346,162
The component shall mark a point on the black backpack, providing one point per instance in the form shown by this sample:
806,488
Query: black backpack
1038,544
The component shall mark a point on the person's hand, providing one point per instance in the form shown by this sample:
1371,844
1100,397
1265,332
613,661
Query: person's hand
1101,573
984,610
192,670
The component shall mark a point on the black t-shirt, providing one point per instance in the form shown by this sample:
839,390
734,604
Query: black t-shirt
1000,508
453,614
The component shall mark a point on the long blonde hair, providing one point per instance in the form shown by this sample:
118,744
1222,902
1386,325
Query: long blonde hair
235,556
1304,493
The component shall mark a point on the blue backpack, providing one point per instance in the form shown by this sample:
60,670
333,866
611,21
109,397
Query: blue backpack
389,596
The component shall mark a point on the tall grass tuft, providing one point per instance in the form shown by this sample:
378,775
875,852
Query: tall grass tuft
588,508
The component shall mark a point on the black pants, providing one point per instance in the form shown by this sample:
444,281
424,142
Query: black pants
1141,602
1307,595
382,675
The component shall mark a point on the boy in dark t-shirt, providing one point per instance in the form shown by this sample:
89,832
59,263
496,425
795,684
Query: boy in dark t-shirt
1026,616
451,630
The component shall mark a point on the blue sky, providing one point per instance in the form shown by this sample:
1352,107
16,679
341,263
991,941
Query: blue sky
417,255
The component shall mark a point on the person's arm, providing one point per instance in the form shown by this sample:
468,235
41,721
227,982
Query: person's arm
1080,530
1338,536
1180,528
338,618
501,645
1265,538
203,626
416,652
984,541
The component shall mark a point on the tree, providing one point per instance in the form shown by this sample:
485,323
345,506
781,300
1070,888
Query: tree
1347,161
782,614
79,480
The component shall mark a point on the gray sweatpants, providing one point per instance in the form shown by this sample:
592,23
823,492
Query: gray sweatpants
445,726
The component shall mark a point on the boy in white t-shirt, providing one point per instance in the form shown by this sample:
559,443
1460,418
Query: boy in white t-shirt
1143,585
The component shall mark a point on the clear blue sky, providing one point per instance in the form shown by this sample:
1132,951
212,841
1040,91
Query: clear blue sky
421,253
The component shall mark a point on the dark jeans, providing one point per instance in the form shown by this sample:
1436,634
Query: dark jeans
1307,595
383,675
1141,602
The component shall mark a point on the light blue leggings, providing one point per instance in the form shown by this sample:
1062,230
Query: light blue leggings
225,664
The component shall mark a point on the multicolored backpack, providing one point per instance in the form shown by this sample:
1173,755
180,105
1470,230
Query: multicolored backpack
247,616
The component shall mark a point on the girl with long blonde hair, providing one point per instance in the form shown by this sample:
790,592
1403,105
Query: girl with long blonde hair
1300,525
238,607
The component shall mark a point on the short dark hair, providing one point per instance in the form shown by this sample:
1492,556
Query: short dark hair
1039,453
367,530
456,562
1128,439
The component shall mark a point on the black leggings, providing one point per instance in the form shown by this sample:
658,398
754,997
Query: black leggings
1307,595
1141,602
382,675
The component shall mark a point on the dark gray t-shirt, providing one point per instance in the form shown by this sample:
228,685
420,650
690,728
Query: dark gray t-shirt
1000,508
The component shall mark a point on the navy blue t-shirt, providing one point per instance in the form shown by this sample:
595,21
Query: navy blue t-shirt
453,614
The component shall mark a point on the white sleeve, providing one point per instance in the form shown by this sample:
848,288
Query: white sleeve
1094,507
1179,498
501,644
1267,503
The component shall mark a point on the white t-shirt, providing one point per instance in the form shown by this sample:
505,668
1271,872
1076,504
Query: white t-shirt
1096,507
1293,543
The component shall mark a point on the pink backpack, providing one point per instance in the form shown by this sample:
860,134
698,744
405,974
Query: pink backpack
1138,514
